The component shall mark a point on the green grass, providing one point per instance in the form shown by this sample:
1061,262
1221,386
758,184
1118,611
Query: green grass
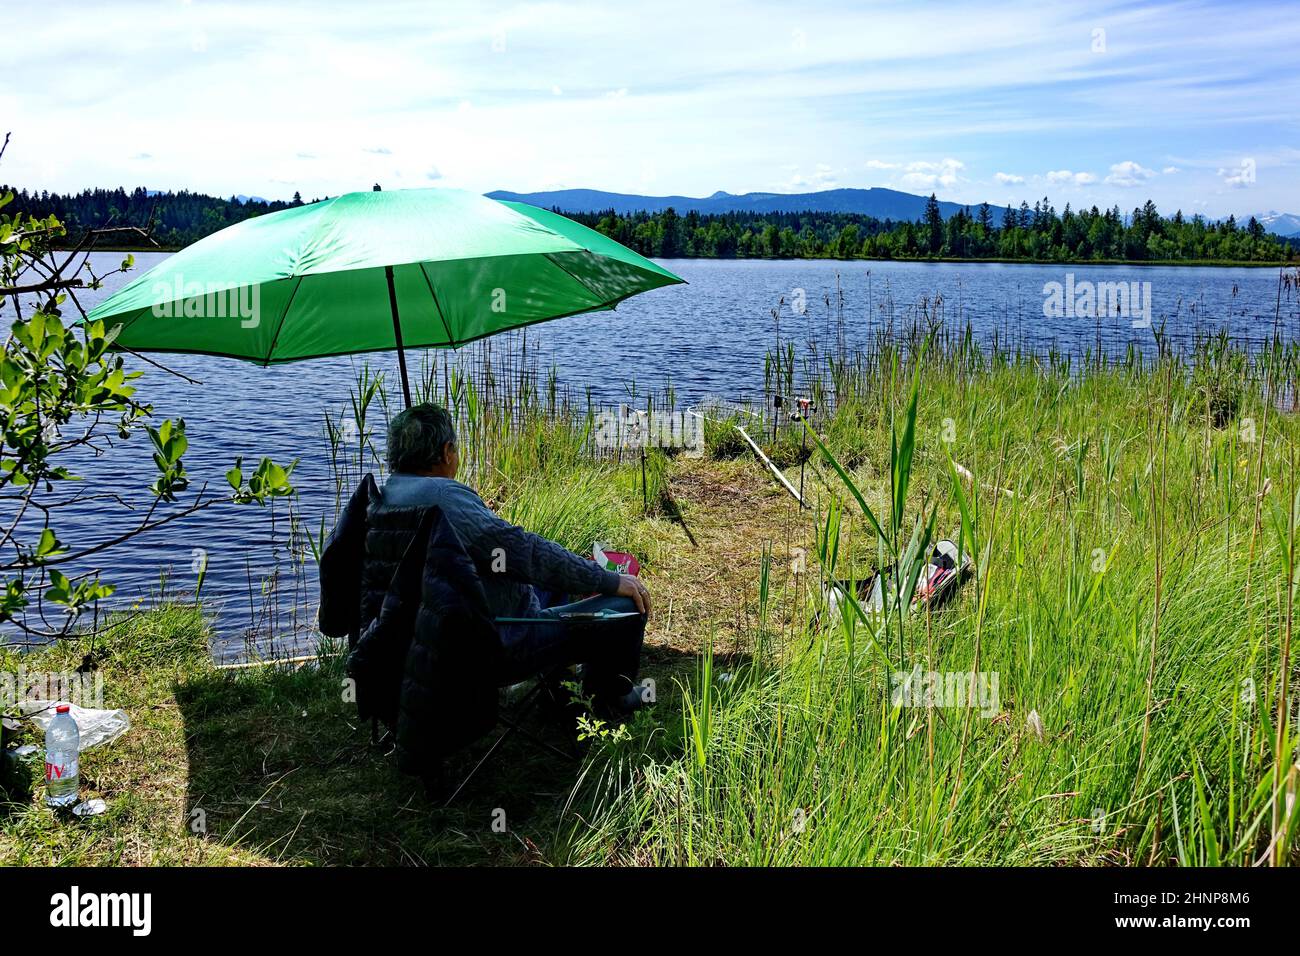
722,441
1121,485
265,766
1136,615
583,506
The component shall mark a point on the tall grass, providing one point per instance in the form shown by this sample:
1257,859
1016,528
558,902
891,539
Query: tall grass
1133,523
582,507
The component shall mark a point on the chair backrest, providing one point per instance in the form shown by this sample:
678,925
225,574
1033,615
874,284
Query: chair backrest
449,693
389,534
426,661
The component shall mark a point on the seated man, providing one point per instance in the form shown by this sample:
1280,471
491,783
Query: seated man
523,572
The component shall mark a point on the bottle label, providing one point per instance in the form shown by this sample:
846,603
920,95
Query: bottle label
60,767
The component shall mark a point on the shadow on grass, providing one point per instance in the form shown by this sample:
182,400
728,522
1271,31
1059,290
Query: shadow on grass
668,504
280,765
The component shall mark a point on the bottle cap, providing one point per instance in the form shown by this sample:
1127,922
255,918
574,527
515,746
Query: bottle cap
61,709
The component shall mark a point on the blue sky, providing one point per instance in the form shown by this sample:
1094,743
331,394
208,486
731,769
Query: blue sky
1194,104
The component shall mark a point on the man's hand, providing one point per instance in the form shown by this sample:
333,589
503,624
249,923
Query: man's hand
629,585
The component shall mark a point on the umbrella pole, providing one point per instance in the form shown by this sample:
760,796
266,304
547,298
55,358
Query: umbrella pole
397,335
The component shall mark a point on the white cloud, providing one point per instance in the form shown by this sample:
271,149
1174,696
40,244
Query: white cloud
822,177
1239,176
1170,170
1005,85
1067,177
1129,173
1009,178
926,175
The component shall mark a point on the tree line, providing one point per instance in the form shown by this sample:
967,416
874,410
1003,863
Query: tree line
178,218
1035,232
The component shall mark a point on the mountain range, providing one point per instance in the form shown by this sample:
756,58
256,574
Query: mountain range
1280,223
878,202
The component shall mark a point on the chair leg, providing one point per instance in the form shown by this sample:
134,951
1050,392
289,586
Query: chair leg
525,704
482,760
538,740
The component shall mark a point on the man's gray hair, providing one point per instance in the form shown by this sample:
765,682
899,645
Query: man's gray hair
417,437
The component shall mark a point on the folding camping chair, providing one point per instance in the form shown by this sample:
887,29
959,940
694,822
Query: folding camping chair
510,717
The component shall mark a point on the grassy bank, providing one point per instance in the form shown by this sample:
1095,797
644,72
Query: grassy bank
262,766
1134,614
1133,525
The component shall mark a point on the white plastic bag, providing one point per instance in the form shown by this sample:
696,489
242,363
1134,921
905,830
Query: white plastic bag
95,726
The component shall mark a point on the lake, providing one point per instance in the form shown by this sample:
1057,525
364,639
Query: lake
708,338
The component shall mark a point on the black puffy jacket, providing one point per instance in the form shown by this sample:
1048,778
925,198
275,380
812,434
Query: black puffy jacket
341,568
427,656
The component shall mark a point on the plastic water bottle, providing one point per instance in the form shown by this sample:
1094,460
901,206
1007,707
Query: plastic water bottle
62,752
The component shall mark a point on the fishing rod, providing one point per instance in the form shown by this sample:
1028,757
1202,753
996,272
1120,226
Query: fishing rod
804,405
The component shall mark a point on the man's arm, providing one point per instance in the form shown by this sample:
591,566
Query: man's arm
498,546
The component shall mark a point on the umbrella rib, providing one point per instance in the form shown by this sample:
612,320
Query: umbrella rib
283,315
451,341
550,257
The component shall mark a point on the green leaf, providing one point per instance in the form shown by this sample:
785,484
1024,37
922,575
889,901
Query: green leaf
1208,835
49,544
963,506
59,591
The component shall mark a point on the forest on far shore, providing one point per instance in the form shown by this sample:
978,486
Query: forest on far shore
1031,233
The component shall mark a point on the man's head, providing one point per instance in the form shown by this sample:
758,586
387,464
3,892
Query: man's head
422,441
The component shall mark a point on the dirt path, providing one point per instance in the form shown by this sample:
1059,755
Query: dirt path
710,585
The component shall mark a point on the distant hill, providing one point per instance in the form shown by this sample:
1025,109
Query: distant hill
877,202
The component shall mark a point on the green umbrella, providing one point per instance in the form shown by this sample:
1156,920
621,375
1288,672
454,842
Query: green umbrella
372,271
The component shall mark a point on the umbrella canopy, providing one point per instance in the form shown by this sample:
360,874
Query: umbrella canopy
371,271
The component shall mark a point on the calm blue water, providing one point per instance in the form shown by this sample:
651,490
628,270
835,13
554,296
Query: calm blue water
708,338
